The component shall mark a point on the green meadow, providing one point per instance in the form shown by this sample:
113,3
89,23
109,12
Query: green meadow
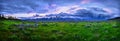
15,30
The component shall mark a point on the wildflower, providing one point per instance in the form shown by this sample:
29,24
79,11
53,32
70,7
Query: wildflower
106,31
29,25
115,26
15,25
21,26
87,25
55,31
76,36
44,24
97,35
36,25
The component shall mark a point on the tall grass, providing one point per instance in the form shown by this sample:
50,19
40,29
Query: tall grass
59,31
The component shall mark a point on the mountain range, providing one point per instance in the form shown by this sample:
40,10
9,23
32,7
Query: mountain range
81,14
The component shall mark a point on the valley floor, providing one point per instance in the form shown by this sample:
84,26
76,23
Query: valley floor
13,30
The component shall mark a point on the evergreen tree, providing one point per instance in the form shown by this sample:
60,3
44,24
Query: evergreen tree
2,16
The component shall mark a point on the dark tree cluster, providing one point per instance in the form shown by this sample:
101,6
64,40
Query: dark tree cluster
2,17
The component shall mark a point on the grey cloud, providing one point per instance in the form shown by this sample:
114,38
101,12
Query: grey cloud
23,6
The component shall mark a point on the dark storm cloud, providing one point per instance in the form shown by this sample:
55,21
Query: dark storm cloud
16,6
47,6
19,6
112,3
93,13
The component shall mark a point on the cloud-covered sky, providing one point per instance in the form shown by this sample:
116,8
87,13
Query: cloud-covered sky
27,8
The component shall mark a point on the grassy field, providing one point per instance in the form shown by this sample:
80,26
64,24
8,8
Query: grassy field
12,30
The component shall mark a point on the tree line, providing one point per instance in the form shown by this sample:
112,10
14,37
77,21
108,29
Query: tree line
3,17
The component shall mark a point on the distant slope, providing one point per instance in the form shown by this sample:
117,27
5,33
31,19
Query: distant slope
116,18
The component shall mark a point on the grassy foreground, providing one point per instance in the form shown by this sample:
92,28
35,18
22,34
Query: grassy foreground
11,30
